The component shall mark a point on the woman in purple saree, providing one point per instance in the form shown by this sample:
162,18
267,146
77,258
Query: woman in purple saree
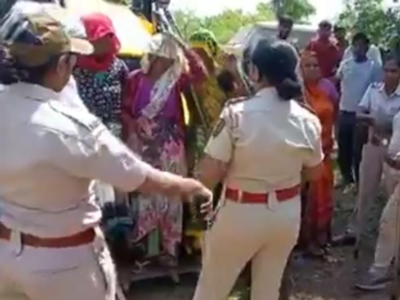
153,127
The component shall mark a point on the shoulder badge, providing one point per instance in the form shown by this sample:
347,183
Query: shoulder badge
306,106
236,100
219,127
377,85
86,120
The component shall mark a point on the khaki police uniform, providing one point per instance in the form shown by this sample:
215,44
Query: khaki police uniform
382,107
386,244
50,245
266,142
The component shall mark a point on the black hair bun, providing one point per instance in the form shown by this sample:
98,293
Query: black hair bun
289,89
276,62
226,81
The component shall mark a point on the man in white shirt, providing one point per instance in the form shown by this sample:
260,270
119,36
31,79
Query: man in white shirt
373,54
355,75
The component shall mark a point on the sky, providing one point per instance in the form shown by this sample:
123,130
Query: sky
326,9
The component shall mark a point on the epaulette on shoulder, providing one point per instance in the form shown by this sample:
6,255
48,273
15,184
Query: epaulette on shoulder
306,106
236,100
377,85
87,121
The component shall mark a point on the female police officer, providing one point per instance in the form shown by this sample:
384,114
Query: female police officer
50,247
259,148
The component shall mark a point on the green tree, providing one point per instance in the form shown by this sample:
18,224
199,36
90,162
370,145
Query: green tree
392,31
225,24
299,10
368,16
187,21
382,25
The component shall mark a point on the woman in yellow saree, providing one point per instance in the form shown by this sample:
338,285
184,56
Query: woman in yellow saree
211,97
221,84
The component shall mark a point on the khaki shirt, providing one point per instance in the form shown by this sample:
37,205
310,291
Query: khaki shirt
379,104
394,145
49,155
70,96
266,142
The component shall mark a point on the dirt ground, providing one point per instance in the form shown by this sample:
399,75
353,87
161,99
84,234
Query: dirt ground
308,280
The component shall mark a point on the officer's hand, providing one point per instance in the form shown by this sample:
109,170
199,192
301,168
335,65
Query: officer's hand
366,120
192,188
375,140
393,163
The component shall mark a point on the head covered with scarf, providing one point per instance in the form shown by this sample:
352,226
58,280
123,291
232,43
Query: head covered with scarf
101,33
206,40
205,44
165,57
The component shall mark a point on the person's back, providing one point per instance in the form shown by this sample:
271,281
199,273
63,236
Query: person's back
259,148
278,134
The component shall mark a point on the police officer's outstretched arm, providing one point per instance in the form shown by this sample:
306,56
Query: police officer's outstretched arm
73,141
173,185
94,153
218,152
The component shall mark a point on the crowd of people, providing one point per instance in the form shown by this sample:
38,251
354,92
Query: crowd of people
353,89
83,133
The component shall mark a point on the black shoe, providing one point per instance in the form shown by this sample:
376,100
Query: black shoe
347,239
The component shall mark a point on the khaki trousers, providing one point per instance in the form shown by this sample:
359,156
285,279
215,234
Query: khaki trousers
264,235
371,171
386,246
76,273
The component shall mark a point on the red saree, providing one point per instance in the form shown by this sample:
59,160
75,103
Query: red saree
318,198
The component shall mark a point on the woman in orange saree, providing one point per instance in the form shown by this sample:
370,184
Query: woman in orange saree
321,96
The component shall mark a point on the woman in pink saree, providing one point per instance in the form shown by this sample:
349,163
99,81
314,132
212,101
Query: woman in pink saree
153,127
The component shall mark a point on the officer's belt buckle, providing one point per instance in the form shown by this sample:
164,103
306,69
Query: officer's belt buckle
273,202
240,196
266,198
16,242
